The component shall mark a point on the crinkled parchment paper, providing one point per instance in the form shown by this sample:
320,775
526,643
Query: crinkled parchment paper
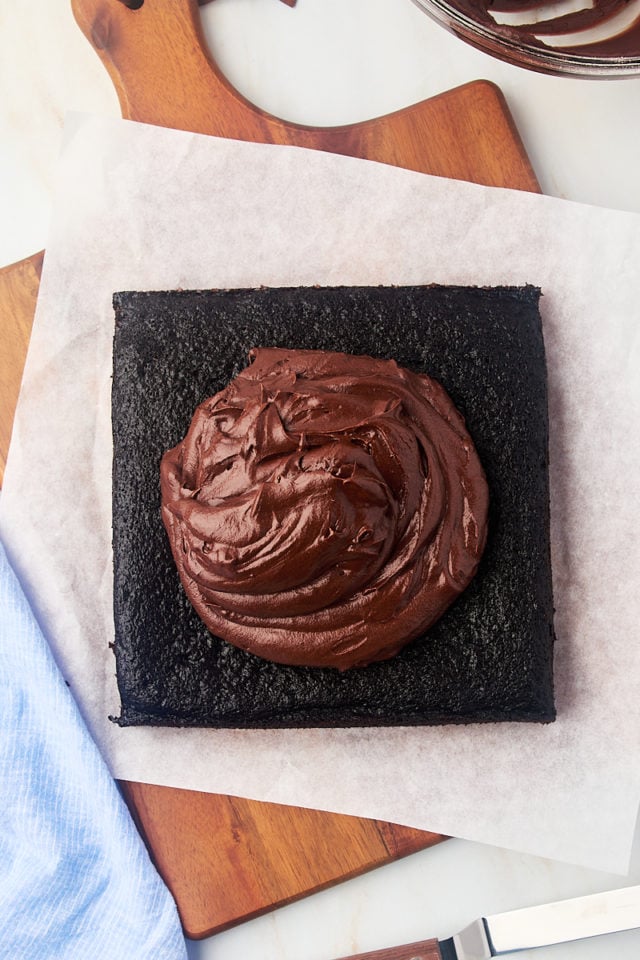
142,208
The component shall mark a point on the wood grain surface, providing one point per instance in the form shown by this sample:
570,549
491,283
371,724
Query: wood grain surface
250,857
227,859
18,294
421,950
158,60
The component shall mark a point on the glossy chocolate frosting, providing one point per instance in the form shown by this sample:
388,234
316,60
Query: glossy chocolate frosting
324,509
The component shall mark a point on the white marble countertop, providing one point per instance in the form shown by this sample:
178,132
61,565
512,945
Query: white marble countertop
329,62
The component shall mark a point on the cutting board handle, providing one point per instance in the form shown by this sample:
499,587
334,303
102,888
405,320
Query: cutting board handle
158,59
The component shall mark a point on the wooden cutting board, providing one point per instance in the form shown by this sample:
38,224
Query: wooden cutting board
228,859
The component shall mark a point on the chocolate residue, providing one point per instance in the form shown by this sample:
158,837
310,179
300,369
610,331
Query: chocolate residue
324,509
615,41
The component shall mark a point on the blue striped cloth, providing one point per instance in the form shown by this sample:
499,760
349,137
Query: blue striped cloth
75,878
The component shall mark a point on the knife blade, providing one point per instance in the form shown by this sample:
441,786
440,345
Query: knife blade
524,929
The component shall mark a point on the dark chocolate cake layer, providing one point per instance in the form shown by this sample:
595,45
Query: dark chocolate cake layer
490,656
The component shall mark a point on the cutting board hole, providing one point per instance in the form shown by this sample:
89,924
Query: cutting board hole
133,4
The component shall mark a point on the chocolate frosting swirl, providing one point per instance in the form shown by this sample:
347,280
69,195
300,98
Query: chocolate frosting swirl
324,509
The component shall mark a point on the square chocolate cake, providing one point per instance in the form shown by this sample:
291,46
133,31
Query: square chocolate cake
488,658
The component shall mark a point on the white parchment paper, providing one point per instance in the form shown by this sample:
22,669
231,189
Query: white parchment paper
142,208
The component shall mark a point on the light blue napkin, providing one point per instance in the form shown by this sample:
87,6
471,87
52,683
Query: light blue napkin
75,878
